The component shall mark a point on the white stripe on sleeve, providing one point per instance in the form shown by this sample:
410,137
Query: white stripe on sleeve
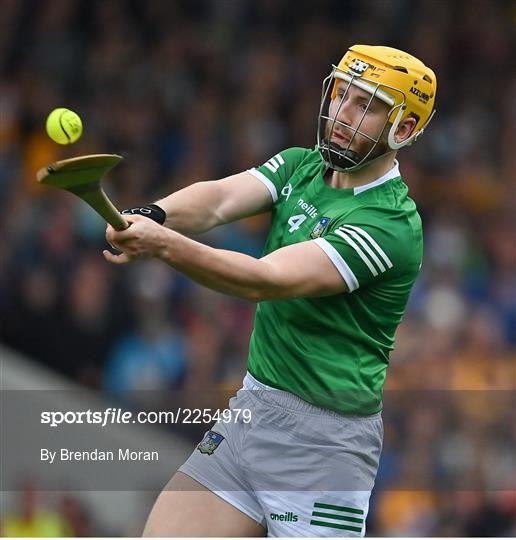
373,243
360,253
272,165
268,184
341,265
364,244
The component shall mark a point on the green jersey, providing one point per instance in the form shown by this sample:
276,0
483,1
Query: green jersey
333,351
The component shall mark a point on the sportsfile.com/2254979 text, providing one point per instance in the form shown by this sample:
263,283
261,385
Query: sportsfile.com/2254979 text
116,415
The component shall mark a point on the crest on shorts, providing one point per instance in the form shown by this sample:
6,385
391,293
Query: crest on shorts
319,229
210,443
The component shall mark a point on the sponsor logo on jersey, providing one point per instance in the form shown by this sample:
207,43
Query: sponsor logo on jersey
287,190
310,209
320,228
210,443
286,516
345,518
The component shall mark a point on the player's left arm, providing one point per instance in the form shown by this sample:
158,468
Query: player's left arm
299,270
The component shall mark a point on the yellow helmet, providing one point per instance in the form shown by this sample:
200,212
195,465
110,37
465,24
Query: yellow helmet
397,78
400,75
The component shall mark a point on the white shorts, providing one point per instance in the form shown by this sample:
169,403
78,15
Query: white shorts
296,469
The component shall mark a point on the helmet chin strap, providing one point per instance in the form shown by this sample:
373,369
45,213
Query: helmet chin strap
344,160
338,157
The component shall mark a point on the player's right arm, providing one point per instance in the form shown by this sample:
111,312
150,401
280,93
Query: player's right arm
204,205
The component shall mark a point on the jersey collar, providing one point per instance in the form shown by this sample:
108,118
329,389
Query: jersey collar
393,173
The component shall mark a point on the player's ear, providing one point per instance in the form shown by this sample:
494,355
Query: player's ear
405,129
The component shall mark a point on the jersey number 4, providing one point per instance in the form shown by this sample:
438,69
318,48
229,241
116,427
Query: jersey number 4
295,222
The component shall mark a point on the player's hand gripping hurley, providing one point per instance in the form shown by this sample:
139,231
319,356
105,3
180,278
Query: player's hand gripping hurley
82,176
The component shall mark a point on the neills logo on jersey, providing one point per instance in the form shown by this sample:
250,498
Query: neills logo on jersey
287,516
310,209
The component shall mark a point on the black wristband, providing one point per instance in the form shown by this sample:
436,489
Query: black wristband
152,211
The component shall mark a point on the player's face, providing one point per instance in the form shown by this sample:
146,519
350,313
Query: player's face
348,109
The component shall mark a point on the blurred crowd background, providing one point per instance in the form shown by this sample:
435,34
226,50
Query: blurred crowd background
197,90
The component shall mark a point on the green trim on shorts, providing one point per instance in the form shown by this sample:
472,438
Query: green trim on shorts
336,516
338,508
335,526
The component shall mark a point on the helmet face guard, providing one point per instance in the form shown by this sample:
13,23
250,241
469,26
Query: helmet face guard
398,79
342,158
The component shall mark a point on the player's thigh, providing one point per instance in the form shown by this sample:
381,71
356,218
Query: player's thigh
186,508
